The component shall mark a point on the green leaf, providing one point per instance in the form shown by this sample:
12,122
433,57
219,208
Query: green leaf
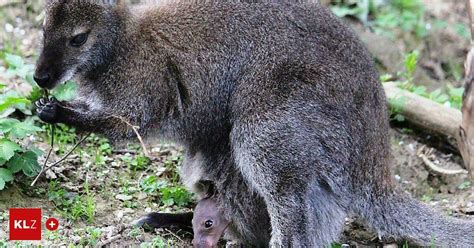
462,30
411,61
22,129
27,162
442,98
66,91
420,90
7,149
37,151
14,61
434,94
7,124
456,92
11,102
397,102
342,11
6,175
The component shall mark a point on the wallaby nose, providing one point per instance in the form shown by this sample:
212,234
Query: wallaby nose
42,79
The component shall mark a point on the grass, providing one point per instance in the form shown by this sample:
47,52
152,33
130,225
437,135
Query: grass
72,206
157,242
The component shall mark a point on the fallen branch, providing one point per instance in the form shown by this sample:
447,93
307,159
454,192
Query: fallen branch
432,166
423,112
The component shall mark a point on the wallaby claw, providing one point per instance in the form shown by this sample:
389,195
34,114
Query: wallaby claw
47,109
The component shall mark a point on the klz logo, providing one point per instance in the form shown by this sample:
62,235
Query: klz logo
25,224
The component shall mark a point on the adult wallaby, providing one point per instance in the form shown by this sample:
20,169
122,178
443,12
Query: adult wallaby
282,94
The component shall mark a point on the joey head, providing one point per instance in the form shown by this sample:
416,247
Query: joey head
208,223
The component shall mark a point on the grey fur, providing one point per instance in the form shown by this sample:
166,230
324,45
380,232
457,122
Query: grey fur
280,101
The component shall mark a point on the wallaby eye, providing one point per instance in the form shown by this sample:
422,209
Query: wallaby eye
208,223
79,40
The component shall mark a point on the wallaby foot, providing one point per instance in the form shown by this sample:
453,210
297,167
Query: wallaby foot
179,221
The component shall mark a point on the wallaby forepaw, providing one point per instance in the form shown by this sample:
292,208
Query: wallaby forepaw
47,109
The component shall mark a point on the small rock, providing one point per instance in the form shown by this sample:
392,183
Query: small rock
9,28
50,175
141,196
469,210
123,197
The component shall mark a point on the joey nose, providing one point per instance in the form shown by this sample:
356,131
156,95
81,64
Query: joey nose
42,79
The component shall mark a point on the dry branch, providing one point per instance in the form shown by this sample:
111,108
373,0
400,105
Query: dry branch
432,116
439,170
466,129
135,130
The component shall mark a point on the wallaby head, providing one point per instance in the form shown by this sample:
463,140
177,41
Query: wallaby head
78,37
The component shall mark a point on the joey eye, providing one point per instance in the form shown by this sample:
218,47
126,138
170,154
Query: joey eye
208,223
79,40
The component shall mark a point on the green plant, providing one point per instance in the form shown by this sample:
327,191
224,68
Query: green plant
138,162
157,242
359,9
169,194
15,156
426,198
17,122
450,98
171,165
464,185
90,237
135,232
151,184
99,148
398,17
72,206
396,107
176,195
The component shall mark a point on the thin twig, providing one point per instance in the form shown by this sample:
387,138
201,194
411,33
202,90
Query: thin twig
108,241
60,160
135,129
52,126
174,235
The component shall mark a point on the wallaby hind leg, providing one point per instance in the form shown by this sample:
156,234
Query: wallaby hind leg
326,215
303,208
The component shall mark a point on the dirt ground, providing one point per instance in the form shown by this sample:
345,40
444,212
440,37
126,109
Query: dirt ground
450,194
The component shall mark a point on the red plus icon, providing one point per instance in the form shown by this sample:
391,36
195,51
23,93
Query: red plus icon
52,224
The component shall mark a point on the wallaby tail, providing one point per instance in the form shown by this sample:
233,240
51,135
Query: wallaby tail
400,216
